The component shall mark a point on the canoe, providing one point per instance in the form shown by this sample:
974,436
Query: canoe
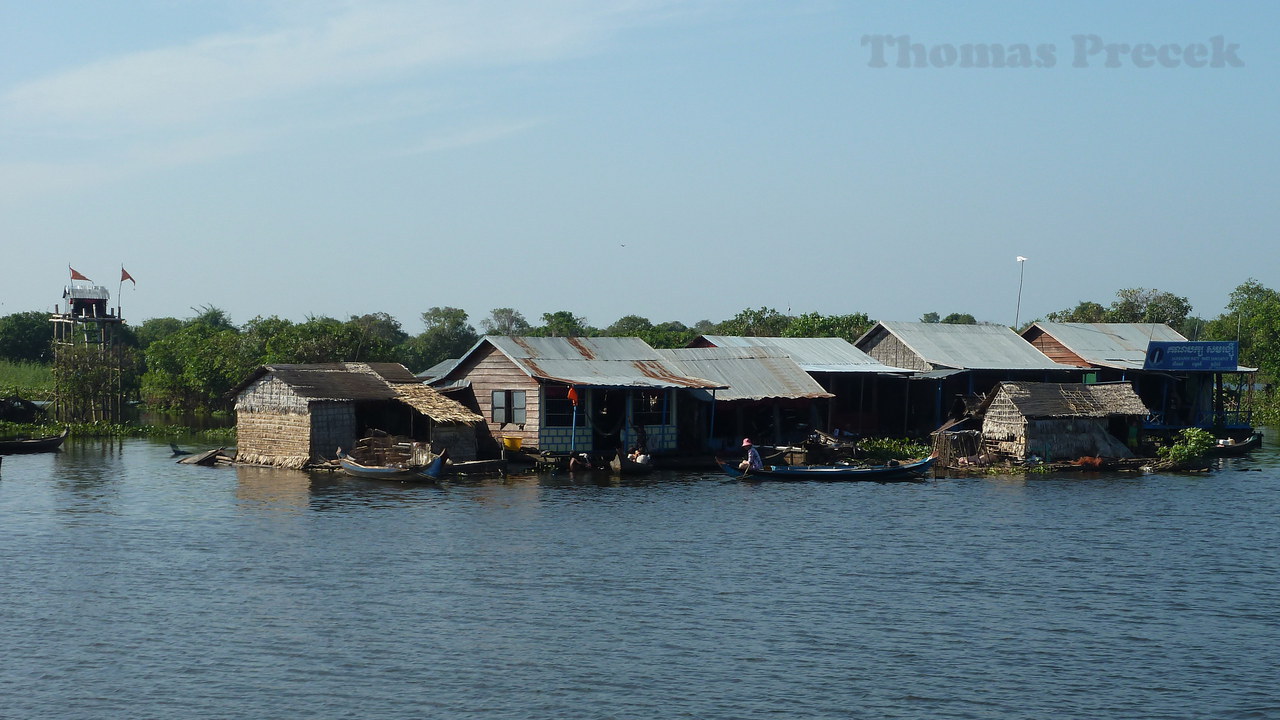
430,471
901,471
33,445
1233,448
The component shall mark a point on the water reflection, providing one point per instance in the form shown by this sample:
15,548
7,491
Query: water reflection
272,489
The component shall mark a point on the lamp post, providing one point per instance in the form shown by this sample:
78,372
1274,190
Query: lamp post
1017,313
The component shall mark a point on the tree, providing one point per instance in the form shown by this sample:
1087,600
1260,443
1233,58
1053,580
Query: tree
1148,305
929,317
1084,312
505,321
959,319
765,322
156,329
25,337
850,327
629,326
196,366
1252,318
447,335
563,323
380,337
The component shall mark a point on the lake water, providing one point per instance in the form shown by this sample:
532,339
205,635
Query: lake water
134,587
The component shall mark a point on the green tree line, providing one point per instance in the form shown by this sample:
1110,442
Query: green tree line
193,363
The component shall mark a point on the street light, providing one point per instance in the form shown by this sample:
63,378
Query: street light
1017,313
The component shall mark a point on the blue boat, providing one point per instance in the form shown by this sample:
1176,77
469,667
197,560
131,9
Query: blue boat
430,471
878,473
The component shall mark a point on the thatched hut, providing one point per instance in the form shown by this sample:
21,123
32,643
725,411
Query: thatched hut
1061,421
297,415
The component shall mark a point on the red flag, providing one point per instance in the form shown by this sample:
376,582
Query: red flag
77,276
124,275
573,396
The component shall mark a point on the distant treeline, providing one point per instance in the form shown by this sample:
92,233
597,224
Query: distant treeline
192,364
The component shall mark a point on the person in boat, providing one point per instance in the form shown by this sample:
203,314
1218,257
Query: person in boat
639,456
752,461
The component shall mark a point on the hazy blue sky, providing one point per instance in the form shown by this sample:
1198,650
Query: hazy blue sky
677,160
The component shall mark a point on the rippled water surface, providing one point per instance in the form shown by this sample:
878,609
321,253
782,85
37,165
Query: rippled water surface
134,587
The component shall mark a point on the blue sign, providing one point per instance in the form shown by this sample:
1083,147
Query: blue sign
1192,356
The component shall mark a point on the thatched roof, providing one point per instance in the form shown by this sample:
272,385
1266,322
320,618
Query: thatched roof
1047,400
363,382
434,405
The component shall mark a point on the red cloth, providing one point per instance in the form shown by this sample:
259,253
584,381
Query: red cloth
77,276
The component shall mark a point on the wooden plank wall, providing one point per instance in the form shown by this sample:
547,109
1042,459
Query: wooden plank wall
491,370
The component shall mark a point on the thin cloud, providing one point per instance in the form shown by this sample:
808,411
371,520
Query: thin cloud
472,136
230,74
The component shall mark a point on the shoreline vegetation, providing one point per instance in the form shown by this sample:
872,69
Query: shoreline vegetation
188,367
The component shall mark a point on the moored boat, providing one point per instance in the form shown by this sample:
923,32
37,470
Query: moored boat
890,472
33,445
622,465
1230,448
430,471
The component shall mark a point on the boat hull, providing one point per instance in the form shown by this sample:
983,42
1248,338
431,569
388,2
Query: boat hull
33,445
910,471
431,471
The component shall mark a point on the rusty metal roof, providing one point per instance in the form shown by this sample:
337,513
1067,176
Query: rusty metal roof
1122,346
825,354
751,373
967,347
596,362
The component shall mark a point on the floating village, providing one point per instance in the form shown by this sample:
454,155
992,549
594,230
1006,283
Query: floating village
1086,396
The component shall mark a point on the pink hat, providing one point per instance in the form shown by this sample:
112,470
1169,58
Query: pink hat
746,442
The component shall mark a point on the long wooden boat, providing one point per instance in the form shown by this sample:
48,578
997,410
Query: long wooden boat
430,471
879,473
1233,448
34,445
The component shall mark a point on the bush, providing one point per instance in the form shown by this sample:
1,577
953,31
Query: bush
885,449
1192,444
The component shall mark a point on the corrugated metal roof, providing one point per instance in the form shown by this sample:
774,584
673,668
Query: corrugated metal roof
1049,400
827,354
440,369
597,362
750,373
1122,346
970,347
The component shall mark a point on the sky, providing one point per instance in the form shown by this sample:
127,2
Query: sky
673,160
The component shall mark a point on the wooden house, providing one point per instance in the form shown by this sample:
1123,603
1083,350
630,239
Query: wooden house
1060,421
1180,394
956,366
869,395
297,415
767,397
570,394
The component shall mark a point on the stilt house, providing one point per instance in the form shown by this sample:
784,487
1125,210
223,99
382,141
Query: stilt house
1181,394
1060,421
767,397
296,415
956,366
869,394
571,394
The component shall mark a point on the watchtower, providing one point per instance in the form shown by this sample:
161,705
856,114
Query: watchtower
88,356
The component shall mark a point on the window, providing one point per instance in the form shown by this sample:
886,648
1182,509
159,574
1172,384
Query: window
508,406
557,411
649,407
